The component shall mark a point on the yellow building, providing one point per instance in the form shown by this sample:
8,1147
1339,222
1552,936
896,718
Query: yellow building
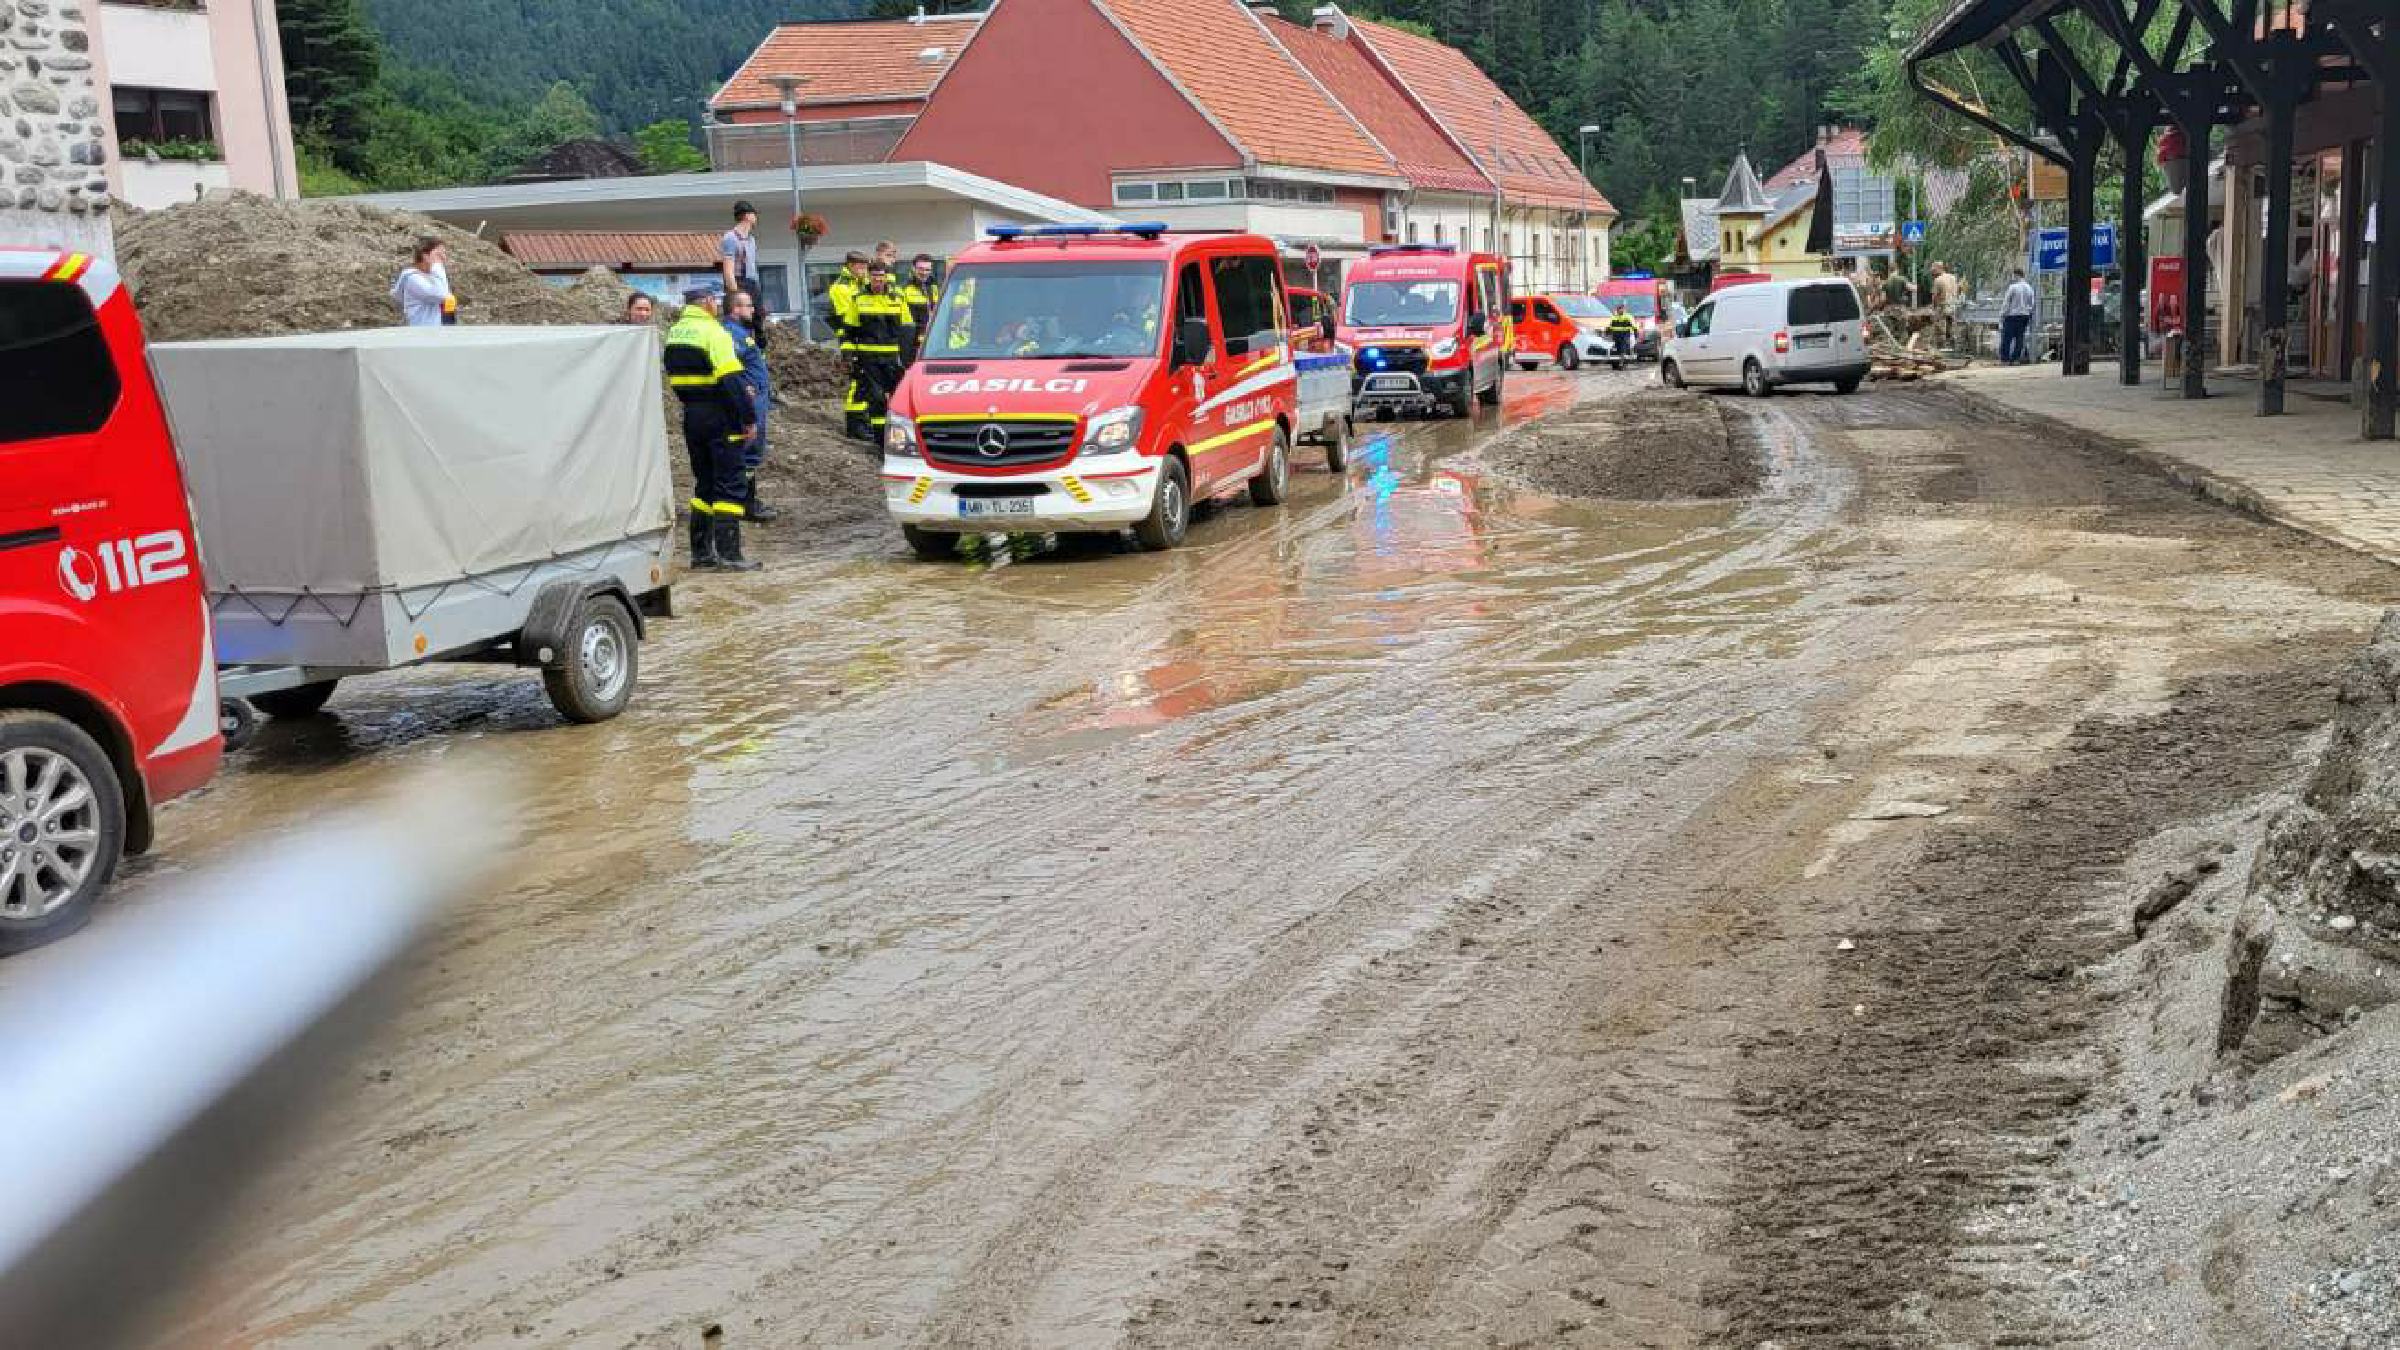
1748,230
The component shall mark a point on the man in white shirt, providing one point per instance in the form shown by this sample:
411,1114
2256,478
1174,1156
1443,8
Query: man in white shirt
2017,307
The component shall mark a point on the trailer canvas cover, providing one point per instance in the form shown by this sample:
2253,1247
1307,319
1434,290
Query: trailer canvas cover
393,459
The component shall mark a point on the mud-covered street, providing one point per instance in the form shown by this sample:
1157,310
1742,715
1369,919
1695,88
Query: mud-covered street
1427,913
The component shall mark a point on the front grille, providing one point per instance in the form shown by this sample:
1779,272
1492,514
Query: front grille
1391,360
963,443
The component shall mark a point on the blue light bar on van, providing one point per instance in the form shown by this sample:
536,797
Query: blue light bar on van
1380,249
1147,229
1636,276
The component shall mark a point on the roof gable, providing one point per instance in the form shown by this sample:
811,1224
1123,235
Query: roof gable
1743,195
1425,156
1220,56
850,61
1848,145
1487,124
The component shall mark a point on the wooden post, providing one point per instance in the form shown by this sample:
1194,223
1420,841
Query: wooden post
2354,243
2133,251
2083,185
2383,296
2275,265
2196,139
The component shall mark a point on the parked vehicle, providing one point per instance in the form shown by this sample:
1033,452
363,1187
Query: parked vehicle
391,497
1429,326
1764,336
1313,320
108,693
1645,299
1092,378
1565,329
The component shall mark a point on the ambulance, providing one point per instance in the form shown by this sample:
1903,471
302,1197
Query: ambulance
108,685
1429,326
1094,378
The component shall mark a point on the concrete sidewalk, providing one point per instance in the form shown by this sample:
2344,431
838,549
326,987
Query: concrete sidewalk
2307,469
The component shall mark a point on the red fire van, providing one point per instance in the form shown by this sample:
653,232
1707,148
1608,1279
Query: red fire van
108,686
1089,378
1430,327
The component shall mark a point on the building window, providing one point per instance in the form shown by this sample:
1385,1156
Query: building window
1137,192
1206,190
1412,231
1441,233
163,116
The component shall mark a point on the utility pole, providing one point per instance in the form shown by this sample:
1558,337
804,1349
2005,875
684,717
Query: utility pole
1583,155
789,87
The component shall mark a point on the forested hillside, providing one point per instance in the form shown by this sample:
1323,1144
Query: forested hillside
637,61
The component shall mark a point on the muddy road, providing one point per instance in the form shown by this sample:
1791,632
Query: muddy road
1423,914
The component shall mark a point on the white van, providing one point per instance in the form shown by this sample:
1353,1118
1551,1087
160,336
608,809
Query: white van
1772,333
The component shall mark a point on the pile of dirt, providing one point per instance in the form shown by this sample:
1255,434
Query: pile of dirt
1655,445
247,266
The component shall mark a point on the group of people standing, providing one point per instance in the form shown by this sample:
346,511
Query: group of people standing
879,320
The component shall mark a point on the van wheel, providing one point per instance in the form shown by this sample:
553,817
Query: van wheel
1462,403
1670,375
1170,508
1846,386
1568,357
1490,398
62,827
306,700
1275,479
931,545
594,680
1337,444
1754,380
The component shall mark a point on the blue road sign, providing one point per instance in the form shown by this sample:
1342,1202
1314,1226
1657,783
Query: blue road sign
2050,249
1912,232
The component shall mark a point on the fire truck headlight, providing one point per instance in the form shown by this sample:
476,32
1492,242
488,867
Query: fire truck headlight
899,437
1112,432
1445,349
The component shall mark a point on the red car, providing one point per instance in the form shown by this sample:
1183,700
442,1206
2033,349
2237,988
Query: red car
108,686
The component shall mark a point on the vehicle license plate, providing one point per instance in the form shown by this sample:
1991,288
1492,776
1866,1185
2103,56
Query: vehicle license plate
1390,383
980,508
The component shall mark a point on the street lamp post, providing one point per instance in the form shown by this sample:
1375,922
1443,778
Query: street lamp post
1583,156
789,87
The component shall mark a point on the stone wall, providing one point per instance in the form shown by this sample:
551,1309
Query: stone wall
53,136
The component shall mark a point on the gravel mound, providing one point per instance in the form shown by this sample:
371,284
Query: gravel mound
248,266
1655,445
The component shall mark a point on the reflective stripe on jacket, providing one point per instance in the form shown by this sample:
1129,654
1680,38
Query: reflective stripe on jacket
884,327
704,365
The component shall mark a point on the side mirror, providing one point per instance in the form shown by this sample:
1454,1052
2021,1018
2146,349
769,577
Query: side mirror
1191,342
1478,325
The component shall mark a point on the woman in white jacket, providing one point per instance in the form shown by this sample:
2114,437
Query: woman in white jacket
422,290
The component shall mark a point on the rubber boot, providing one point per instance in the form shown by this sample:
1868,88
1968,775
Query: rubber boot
759,511
704,543
729,547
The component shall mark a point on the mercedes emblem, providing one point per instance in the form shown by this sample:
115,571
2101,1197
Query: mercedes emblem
993,442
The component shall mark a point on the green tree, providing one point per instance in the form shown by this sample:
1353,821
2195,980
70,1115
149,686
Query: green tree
666,147
332,60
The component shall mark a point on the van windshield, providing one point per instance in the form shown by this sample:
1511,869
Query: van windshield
1401,304
1049,311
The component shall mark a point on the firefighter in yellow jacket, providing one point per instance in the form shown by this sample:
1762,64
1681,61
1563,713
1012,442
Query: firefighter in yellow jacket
842,297
924,295
884,342
705,371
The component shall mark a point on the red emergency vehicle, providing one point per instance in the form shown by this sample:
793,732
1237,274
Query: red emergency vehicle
1086,378
1430,328
108,686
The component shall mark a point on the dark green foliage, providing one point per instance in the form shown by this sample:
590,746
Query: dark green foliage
637,60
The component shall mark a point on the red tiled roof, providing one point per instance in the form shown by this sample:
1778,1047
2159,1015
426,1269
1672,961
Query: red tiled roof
1425,156
1223,58
848,62
602,248
1494,130
1847,143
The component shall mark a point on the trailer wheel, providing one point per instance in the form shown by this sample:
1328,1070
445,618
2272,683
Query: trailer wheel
304,700
1337,444
62,827
237,722
594,678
